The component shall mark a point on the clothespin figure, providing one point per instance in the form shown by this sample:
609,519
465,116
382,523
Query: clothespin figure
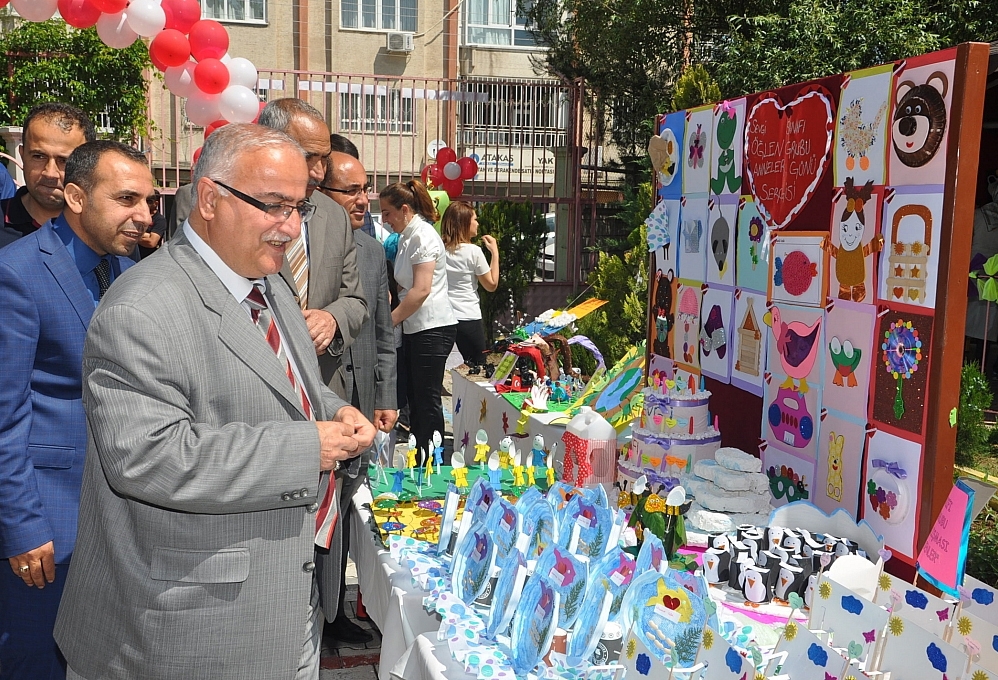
550,468
481,448
410,455
504,445
495,474
399,475
530,475
521,422
438,449
537,453
429,468
517,468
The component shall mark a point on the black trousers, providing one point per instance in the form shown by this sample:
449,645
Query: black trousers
471,341
426,356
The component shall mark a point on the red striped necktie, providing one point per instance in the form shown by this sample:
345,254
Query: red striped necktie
328,513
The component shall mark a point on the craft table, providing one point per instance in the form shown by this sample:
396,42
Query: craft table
427,659
477,406
392,601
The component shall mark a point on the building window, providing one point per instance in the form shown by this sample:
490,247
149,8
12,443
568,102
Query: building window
250,11
513,115
496,22
384,15
375,110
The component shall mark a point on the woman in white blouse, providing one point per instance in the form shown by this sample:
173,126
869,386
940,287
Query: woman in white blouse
466,269
424,311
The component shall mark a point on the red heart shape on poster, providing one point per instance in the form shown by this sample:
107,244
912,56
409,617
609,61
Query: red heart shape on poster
671,602
787,151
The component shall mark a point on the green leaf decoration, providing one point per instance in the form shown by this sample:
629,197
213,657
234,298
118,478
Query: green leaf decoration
687,644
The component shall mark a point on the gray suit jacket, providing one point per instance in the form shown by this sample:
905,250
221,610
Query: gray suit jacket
333,280
183,201
197,524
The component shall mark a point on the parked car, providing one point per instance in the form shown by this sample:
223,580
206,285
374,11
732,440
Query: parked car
545,262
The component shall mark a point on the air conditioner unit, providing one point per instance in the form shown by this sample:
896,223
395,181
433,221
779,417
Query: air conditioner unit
400,42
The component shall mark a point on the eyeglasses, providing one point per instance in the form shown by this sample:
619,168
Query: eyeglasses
352,193
276,211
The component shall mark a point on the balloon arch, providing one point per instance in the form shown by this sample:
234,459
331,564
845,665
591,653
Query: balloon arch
193,55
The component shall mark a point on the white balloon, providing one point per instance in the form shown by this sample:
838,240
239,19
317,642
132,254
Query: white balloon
180,79
452,171
146,17
226,58
202,109
238,104
114,31
35,10
242,72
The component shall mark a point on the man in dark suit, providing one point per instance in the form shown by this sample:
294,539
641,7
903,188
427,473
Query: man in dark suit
368,373
203,500
51,132
50,283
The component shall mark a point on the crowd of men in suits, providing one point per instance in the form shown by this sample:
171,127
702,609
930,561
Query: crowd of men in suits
179,448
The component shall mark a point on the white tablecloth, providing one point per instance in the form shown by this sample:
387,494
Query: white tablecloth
427,659
392,601
500,418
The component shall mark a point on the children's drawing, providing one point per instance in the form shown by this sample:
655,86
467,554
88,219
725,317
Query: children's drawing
795,345
752,249
854,240
911,227
668,157
791,478
901,370
849,350
748,341
687,335
798,269
722,217
715,334
663,317
726,152
696,150
890,485
841,442
862,126
659,230
692,253
791,417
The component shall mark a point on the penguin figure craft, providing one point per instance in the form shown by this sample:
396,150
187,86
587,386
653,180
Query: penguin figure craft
791,541
716,565
720,541
770,561
812,582
775,537
791,580
755,586
739,554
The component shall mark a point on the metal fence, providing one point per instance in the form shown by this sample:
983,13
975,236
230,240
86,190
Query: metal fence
531,138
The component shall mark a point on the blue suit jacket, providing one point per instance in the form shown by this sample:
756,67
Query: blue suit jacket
45,309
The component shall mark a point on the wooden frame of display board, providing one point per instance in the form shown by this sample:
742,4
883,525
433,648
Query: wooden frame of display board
689,220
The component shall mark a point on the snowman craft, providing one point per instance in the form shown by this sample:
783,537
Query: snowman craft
850,255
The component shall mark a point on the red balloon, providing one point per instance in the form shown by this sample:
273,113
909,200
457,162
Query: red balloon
433,176
469,168
157,63
211,76
169,48
4,3
454,187
214,126
79,13
446,155
181,14
106,6
209,40
196,156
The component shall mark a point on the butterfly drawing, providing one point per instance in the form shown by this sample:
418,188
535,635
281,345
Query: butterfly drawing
692,232
870,635
943,614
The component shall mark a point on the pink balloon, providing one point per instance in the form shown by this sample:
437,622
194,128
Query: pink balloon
469,167
110,6
169,48
35,10
445,155
114,30
209,40
180,79
4,3
452,171
79,13
211,76
182,14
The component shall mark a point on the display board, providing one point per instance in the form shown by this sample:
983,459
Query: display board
804,246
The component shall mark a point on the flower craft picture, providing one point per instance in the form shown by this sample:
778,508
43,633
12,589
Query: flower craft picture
757,228
902,351
887,491
697,144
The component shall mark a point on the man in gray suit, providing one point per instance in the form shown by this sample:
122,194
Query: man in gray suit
330,296
368,373
202,498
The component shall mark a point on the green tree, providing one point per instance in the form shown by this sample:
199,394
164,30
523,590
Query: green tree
971,433
623,283
519,230
50,61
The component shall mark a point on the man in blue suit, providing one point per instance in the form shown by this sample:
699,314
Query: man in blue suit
50,283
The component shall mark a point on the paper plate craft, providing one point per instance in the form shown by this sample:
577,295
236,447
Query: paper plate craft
618,568
534,624
480,499
586,528
661,613
567,574
539,525
509,587
595,613
474,557
502,521
665,155
651,555
527,499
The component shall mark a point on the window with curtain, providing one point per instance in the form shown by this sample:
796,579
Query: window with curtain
496,22
250,11
383,15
